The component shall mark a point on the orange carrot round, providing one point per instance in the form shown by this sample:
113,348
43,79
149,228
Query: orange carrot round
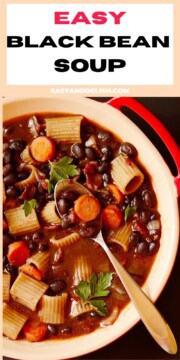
35,331
18,253
43,148
111,217
87,208
118,195
32,271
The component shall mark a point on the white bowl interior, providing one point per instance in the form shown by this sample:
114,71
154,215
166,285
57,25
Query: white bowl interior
162,179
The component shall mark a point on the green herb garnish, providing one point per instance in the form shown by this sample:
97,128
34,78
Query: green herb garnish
61,170
130,211
29,205
95,288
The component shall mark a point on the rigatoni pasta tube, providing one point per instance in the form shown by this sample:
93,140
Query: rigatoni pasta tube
79,307
6,286
82,269
121,236
13,322
48,214
65,128
31,179
41,261
126,174
53,309
27,291
20,224
66,241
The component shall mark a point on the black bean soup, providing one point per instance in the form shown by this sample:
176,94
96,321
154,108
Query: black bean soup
87,161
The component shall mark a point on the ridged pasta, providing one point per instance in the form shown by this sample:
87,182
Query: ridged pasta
53,309
13,322
48,214
83,269
4,194
79,307
121,236
65,241
6,286
41,261
65,128
31,179
20,224
126,174
26,156
27,291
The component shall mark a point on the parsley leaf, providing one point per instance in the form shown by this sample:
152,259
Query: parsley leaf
99,306
61,170
83,290
97,287
29,205
130,211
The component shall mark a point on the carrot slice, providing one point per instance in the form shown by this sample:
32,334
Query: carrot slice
18,253
31,271
111,217
118,195
43,148
87,207
35,331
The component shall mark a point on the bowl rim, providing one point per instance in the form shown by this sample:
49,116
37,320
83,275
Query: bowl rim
103,342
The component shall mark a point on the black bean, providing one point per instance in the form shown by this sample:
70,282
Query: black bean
63,206
69,195
78,151
27,238
10,179
128,149
144,216
53,329
149,198
17,145
103,167
93,314
91,153
12,192
7,156
134,239
136,201
37,236
153,248
23,175
104,136
90,231
66,221
5,261
8,130
104,198
10,269
50,197
142,248
154,215
106,153
32,245
57,286
45,168
42,247
66,330
7,240
42,133
107,178
7,169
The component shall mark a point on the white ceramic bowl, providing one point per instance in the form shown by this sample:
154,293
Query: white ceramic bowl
167,202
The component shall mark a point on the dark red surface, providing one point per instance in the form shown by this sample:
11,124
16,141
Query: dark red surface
137,343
